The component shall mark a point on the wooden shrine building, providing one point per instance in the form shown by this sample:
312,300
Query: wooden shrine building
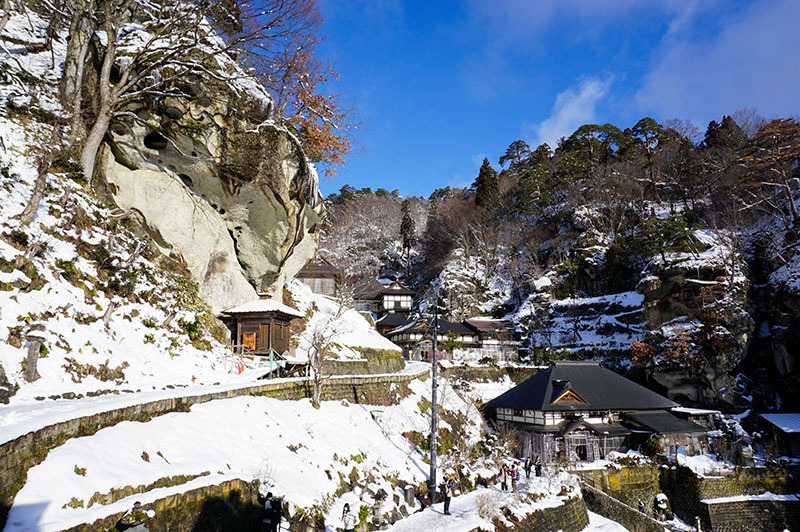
580,411
260,326
321,276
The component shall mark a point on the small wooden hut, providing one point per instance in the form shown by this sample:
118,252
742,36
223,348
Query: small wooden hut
261,326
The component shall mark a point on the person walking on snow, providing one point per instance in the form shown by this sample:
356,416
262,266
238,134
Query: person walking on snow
527,466
502,476
271,515
538,465
514,477
348,519
446,491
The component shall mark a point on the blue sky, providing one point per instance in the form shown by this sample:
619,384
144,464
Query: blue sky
440,85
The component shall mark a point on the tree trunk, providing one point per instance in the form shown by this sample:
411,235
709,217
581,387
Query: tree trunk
6,14
108,100
43,168
80,33
92,145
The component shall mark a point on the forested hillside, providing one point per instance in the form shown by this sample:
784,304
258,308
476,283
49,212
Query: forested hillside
695,234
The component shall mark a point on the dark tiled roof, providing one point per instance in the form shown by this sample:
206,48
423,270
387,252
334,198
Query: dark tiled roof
663,422
601,388
318,268
392,320
426,325
489,325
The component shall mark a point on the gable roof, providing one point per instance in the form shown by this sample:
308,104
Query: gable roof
425,325
392,320
600,388
318,268
264,305
485,325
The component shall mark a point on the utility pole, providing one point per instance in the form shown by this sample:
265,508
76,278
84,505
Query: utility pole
434,386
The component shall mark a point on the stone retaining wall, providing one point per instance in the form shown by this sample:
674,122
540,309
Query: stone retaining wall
754,516
489,373
232,505
20,454
569,517
370,365
686,491
609,507
630,484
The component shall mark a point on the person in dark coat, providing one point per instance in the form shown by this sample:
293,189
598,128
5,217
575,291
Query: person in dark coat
446,491
265,519
527,466
538,466
271,514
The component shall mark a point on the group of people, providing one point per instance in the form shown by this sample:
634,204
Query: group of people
510,475
537,466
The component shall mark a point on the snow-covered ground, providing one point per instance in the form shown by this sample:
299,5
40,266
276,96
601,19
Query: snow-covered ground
706,465
295,450
350,329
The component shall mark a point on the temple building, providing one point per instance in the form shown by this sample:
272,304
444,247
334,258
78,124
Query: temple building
580,411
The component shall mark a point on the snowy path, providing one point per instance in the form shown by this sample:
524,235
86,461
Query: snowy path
19,419
466,513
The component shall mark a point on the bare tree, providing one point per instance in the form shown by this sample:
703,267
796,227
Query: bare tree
45,160
322,345
148,58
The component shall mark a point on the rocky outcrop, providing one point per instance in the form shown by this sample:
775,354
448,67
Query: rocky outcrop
702,332
218,184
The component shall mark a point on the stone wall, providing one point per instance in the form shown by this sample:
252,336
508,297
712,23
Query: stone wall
232,505
630,484
373,363
609,507
754,516
489,373
569,517
686,491
20,454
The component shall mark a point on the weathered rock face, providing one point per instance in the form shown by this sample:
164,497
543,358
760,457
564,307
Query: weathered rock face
227,190
718,333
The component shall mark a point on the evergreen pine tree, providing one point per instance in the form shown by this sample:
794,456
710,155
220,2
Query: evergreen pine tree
486,186
407,229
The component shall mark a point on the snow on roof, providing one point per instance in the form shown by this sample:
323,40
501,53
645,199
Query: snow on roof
264,305
694,411
785,422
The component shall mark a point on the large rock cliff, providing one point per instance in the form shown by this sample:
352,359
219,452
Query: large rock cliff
215,182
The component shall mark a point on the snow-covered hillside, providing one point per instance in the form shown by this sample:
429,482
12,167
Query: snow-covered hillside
305,454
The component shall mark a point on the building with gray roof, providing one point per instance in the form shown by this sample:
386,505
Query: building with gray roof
582,411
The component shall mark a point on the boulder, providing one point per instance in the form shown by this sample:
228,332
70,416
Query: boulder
218,184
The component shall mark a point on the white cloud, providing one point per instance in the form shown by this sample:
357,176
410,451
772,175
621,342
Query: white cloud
574,107
754,61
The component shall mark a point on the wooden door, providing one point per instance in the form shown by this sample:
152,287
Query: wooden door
265,332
